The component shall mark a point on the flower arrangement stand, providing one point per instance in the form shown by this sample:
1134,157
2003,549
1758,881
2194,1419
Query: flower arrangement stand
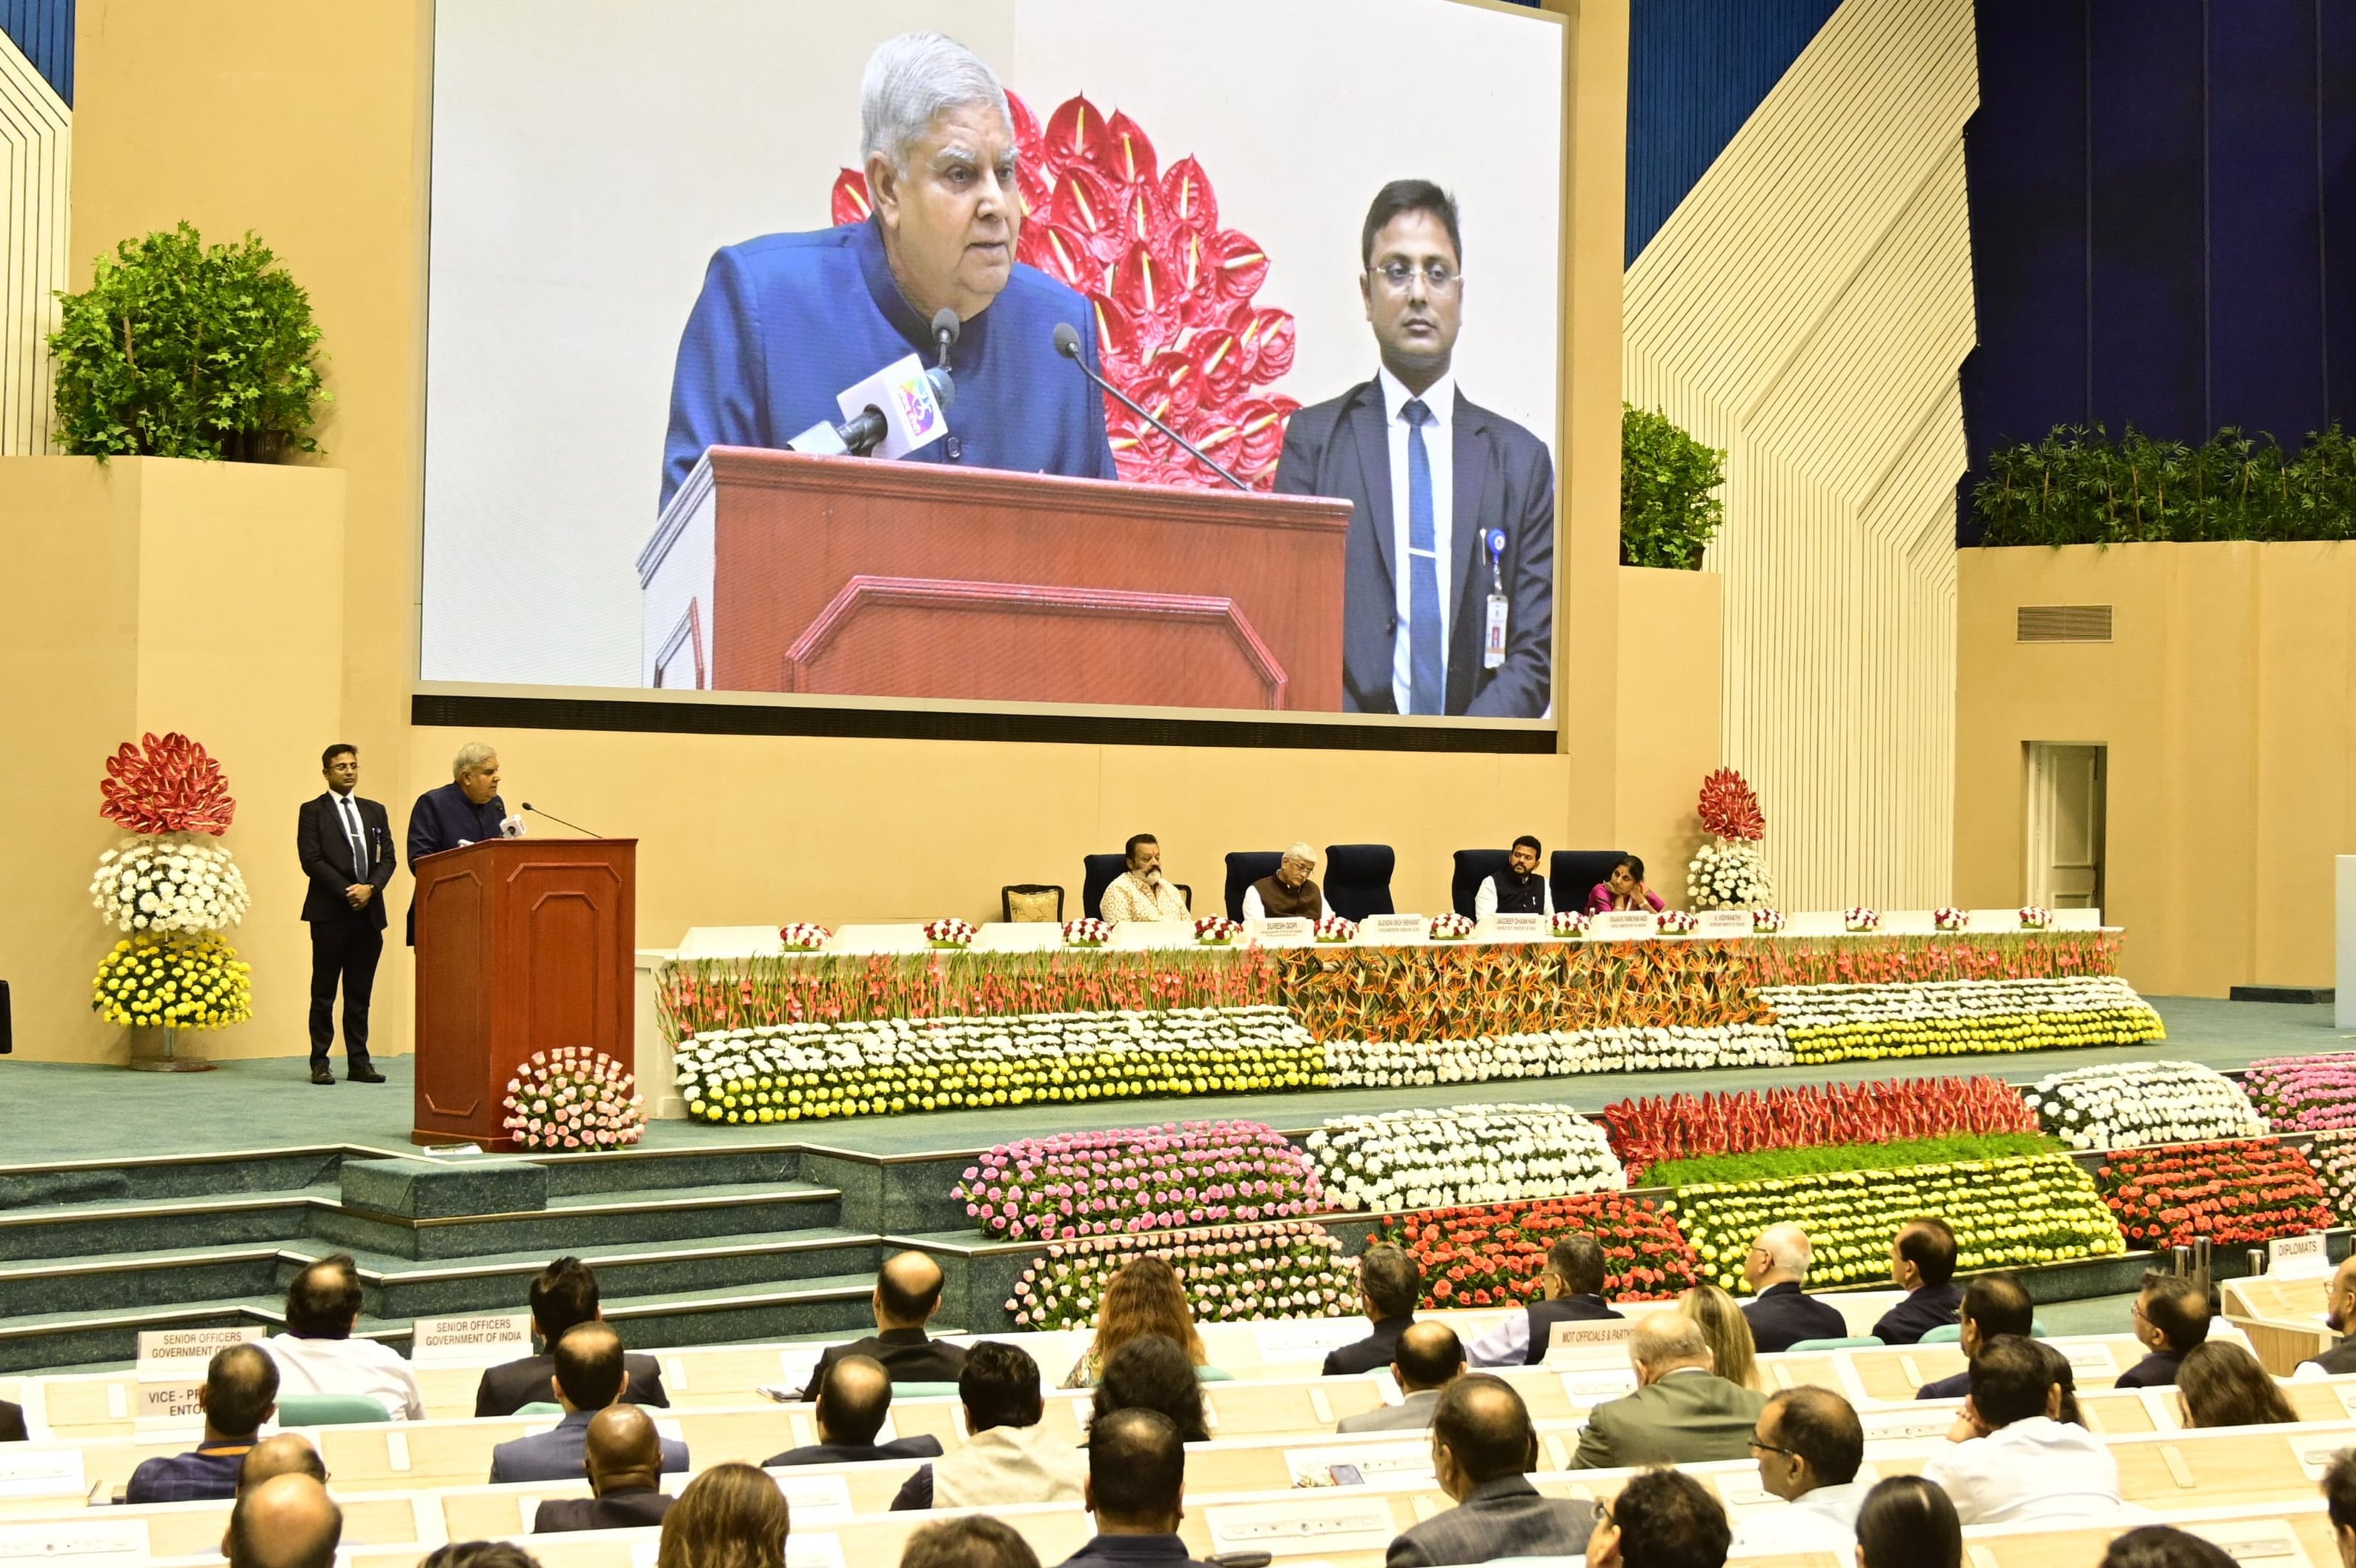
169,1059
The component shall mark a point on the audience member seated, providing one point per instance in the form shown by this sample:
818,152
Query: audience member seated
1484,1448
1922,1263
2161,1546
1143,1297
1726,1332
1571,1291
1909,1522
1780,1316
1008,1456
588,1378
2221,1384
1291,892
1136,1474
2340,1503
564,1294
854,1398
287,1454
2064,1376
1141,892
1662,1519
2340,1314
317,1353
732,1516
971,1541
2011,1459
240,1394
1810,1445
478,1555
1429,1357
11,1424
907,1293
1682,1412
1389,1288
1520,889
2171,1316
624,1462
1625,889
1153,1373
1993,1304
287,1522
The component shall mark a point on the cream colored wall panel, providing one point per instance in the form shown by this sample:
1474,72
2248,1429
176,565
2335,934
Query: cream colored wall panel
34,167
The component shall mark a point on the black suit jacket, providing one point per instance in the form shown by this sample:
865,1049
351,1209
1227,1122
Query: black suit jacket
1379,1349
924,1446
2157,1370
11,1424
325,850
510,1386
632,1509
1780,1316
1504,479
909,1356
1925,1309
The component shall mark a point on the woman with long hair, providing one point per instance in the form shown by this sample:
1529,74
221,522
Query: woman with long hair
1733,1351
2221,1384
1145,1297
732,1516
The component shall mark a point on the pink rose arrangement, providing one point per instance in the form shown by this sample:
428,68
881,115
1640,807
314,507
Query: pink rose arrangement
1292,1268
574,1098
1127,1181
2304,1094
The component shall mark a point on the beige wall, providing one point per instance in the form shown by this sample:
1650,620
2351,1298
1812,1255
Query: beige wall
2227,696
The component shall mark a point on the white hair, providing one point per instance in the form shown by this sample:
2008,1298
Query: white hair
1787,1248
1301,852
911,81
471,756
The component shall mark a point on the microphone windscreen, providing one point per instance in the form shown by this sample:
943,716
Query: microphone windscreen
946,325
1067,340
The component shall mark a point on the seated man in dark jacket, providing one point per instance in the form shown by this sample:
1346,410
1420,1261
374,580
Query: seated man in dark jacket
1571,1292
853,1397
907,1293
1483,1449
2339,1315
564,1294
1779,1315
1922,1261
624,1462
1388,1286
1993,1304
2171,1315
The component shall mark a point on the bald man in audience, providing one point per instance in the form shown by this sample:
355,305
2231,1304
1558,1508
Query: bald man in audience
854,1396
287,1522
1780,1316
1137,1480
1682,1413
1429,1358
1484,1448
240,1392
624,1460
907,1293
2339,1315
288,1453
589,1377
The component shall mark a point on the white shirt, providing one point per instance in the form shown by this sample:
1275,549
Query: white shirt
346,1366
1484,902
1440,447
1821,1521
1254,909
2035,1471
1506,1345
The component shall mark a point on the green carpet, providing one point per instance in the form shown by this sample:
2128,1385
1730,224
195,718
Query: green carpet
51,1112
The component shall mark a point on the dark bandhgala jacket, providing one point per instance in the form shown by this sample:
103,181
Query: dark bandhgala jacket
1927,1308
909,1356
1780,1316
1280,902
634,1507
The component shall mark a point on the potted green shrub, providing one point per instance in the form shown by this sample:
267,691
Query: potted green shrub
1669,506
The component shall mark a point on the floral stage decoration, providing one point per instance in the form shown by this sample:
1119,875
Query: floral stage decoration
173,983
1556,1053
1448,1156
574,1098
2035,917
1451,927
1217,930
1859,918
1946,917
1569,923
2122,1104
1677,923
2233,1193
1766,921
951,932
177,883
2333,1157
166,784
2006,1213
802,937
1492,1256
1232,1274
1730,871
1180,1174
1086,932
1848,1023
2304,1094
171,891
1649,1132
1336,928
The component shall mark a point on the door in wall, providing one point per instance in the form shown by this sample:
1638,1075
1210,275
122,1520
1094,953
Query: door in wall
2066,785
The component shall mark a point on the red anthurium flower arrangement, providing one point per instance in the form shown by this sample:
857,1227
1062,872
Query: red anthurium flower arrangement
167,785
1729,807
1646,1132
2234,1193
1492,1256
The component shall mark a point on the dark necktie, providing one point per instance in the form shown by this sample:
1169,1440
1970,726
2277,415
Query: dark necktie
1429,686
349,815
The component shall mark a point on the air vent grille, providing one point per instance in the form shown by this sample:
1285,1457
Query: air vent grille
2062,624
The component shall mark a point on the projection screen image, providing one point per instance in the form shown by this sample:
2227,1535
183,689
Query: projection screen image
857,359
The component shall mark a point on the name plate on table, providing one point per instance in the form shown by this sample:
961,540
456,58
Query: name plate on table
2298,1257
170,1401
195,1344
2273,1541
1131,935
1723,924
814,1500
1623,925
1303,1526
1902,1421
79,1540
1594,1334
1360,1464
487,1338
1514,928
41,1472
1309,1339
1392,928
1294,931
1019,937
2090,1360
1587,1388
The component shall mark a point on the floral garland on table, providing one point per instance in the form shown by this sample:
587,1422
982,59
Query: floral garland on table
574,1098
1859,919
2126,1103
2006,1213
2232,1193
1846,1023
2304,1094
178,983
1451,1156
1394,1064
1492,1256
1336,928
1289,1269
1451,927
173,883
1946,917
951,932
1646,1132
791,1072
1570,923
1075,1185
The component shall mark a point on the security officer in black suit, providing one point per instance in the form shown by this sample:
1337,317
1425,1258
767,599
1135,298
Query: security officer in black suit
346,845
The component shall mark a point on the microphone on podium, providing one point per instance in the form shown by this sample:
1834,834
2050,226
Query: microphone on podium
1067,344
920,396
557,820
946,328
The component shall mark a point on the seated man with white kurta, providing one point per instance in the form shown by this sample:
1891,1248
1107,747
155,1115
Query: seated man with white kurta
1140,892
1519,888
1291,892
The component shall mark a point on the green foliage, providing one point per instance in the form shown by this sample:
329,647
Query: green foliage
2080,487
177,350
1768,1165
1668,483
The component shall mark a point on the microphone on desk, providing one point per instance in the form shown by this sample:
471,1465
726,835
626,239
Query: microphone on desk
920,399
557,820
1067,344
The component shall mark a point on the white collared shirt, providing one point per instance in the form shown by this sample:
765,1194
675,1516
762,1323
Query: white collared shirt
1440,447
2034,1471
346,1366
1821,1521
347,817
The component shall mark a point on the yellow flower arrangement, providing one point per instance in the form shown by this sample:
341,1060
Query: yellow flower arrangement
174,982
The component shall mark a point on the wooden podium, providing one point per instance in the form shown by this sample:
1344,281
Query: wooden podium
775,571
522,945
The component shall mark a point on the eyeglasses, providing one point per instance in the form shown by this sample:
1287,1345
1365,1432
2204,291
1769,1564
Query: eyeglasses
1771,1449
1438,276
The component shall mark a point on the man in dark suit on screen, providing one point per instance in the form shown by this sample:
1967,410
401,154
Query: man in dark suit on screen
1448,597
346,845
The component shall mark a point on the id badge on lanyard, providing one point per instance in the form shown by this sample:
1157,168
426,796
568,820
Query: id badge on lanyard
1492,644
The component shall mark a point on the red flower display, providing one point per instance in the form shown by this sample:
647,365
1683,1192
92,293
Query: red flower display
2234,1193
1729,807
1491,1255
1646,1132
1177,325
165,786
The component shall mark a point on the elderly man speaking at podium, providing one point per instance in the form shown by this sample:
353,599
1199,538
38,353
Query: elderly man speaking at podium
787,320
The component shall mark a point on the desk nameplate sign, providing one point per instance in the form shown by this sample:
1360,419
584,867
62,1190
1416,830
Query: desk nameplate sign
1515,928
199,1344
2272,1541
2093,1360
1590,1334
815,1499
41,1472
171,1401
1391,930
1362,1463
1292,931
1587,1388
77,1540
1303,1526
1721,924
1305,1339
2298,1257
483,1338
1623,925
1139,935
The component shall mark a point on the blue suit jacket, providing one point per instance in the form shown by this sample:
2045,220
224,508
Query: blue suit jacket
786,320
1504,479
562,1455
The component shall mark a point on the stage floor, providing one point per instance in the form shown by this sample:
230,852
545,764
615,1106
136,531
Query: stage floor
57,1111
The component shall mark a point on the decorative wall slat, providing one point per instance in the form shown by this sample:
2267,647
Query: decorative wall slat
36,159
1807,308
